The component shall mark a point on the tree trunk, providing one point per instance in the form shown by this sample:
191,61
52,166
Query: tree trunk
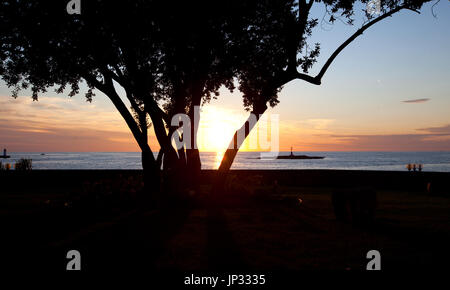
151,173
193,168
151,177
234,147
192,153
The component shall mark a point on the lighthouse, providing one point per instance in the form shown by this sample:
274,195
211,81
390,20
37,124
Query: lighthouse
4,154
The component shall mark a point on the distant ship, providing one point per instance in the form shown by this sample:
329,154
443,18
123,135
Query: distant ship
292,156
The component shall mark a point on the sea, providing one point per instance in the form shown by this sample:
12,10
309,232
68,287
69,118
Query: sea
391,161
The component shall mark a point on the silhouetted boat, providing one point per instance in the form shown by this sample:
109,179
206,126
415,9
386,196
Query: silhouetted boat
299,157
292,156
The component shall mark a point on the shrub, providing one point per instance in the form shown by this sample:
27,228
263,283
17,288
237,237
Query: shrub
23,164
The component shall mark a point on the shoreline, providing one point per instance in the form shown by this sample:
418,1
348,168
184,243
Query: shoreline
367,161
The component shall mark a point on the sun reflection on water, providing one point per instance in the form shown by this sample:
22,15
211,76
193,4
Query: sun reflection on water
219,156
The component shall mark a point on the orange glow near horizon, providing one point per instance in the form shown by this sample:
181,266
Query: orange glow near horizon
71,125
396,101
216,129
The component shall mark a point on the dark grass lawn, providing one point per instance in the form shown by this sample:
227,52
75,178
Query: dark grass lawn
410,230
266,230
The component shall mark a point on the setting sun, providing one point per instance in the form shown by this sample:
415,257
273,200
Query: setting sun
217,127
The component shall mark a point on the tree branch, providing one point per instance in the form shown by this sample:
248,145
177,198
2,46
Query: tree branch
108,89
318,79
134,105
303,10
163,114
120,79
414,10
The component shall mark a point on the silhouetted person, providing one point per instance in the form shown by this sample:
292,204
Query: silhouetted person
414,167
409,166
420,167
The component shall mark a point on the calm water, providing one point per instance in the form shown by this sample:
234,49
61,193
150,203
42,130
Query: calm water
432,161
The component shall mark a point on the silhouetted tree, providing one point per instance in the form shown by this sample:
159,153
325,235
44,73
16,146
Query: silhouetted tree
168,56
276,46
198,61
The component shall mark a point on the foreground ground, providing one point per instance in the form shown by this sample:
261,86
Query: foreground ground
259,227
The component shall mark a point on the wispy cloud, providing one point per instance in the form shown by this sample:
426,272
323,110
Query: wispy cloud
393,142
438,130
58,124
416,101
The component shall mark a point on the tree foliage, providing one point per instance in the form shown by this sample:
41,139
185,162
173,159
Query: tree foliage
169,56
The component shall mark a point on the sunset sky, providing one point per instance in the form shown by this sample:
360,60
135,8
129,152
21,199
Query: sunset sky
387,91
